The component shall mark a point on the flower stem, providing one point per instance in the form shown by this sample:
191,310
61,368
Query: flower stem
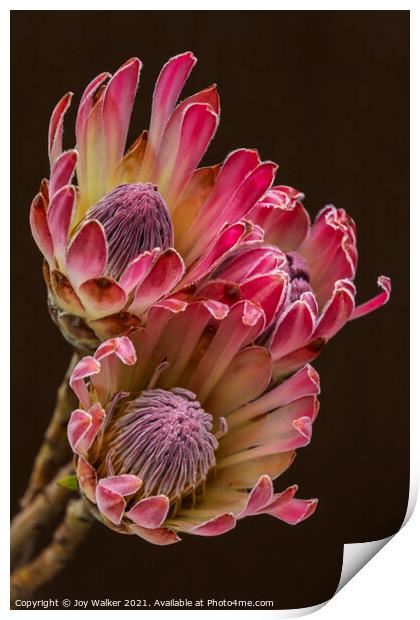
54,450
32,520
52,559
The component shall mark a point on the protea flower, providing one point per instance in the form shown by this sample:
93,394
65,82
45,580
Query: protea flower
302,275
138,221
181,429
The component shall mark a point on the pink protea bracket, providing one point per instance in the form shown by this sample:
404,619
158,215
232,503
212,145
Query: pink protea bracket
305,382
112,355
295,327
289,509
62,171
246,377
55,132
373,304
269,291
282,216
337,311
160,536
122,347
244,322
252,188
150,512
118,104
85,368
59,215
168,87
252,261
110,493
87,253
136,271
216,526
163,277
40,229
225,243
260,496
83,427
87,478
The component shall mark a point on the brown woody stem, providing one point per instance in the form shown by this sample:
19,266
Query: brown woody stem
52,559
54,450
38,515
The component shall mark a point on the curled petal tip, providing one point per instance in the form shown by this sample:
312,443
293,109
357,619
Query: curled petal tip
384,282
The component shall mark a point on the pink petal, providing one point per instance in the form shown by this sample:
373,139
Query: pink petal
283,217
246,378
59,216
86,103
177,125
294,329
150,512
191,322
227,240
243,323
289,509
87,478
167,90
102,296
247,473
219,525
62,171
287,427
269,291
305,382
87,253
83,112
97,415
164,276
252,188
55,132
260,496
252,262
235,169
39,227
336,313
198,128
126,484
122,347
118,104
298,358
110,503
84,426
238,165
159,536
86,367
137,270
78,424
376,302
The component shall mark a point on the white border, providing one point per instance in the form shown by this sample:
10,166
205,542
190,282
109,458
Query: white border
388,585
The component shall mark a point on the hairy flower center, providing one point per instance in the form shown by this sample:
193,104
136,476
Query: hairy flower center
165,438
135,219
298,270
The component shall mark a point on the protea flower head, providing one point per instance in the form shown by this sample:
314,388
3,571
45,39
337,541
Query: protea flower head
181,429
315,297
138,222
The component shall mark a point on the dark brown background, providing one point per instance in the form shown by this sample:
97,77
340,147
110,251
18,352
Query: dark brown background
325,94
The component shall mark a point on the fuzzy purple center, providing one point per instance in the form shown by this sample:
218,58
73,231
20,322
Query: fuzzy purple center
165,438
135,218
298,270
